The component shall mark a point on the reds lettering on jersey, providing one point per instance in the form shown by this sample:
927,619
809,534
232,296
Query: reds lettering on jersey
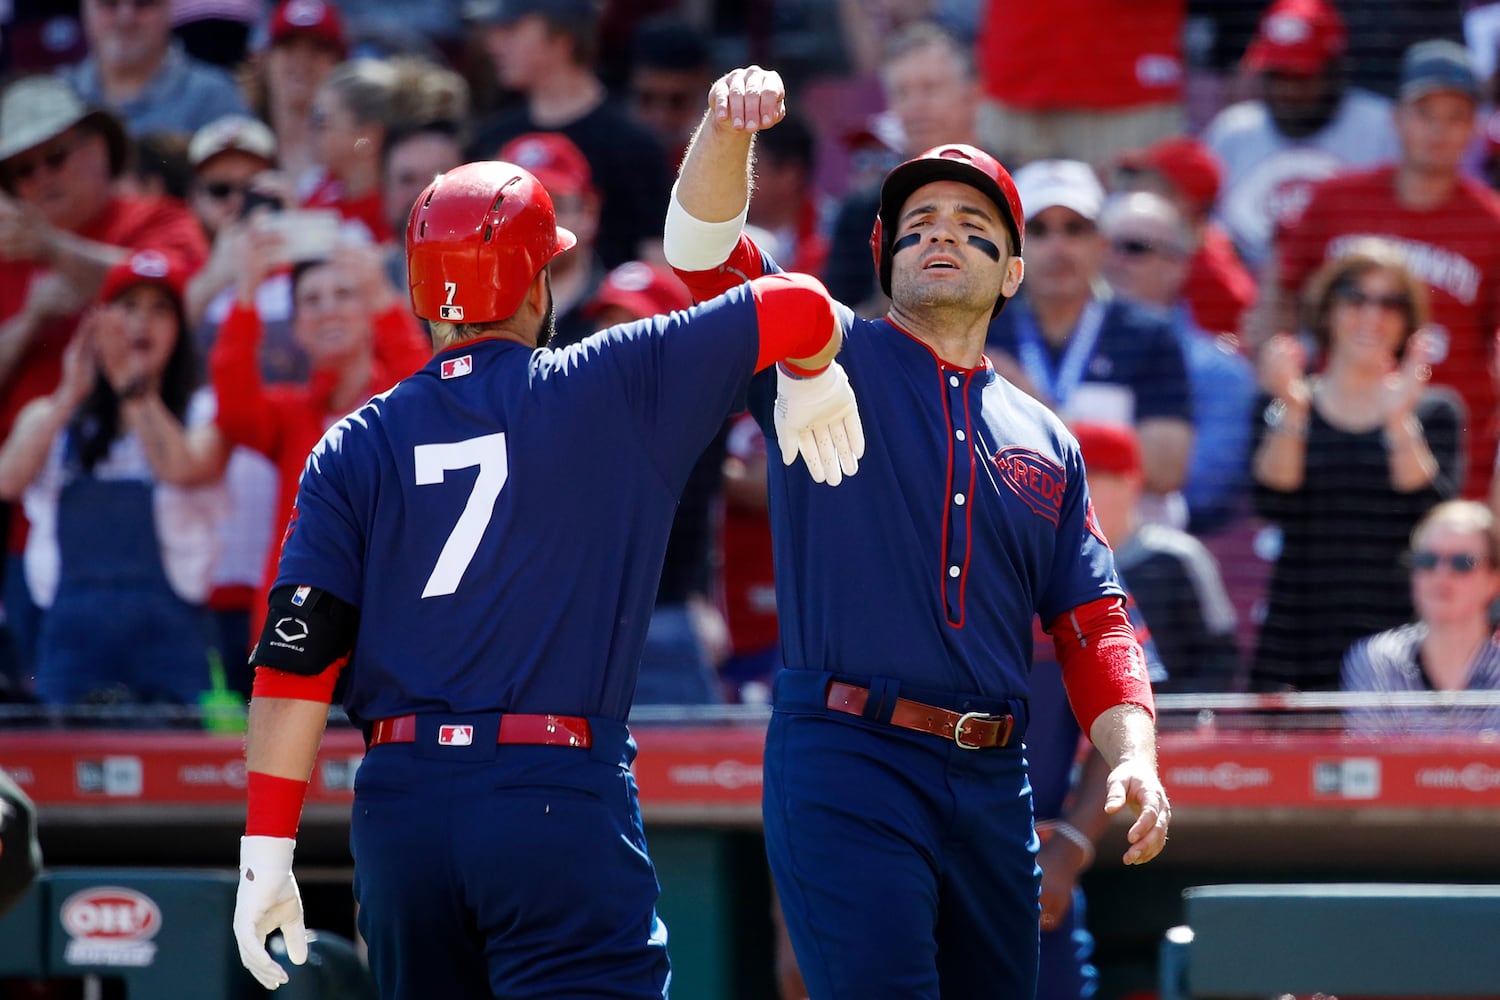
1013,541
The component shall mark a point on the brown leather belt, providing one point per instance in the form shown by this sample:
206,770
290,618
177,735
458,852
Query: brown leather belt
970,730
537,730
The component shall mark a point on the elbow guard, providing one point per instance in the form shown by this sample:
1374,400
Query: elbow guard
307,630
1102,662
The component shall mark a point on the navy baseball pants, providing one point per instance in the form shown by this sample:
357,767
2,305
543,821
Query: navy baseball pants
906,865
512,871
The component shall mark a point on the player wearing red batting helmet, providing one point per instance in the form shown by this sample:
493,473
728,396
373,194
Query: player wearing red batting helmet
952,162
483,679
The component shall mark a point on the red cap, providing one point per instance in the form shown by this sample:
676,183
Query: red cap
553,159
144,267
1300,37
315,18
1187,164
640,289
1112,449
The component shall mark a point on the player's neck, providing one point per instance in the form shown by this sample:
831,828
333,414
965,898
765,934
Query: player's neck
1424,189
1057,317
956,338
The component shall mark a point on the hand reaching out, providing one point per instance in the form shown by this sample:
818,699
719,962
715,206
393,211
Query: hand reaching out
1134,783
1405,386
1283,367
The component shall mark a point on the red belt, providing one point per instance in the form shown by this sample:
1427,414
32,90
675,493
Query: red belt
537,730
970,730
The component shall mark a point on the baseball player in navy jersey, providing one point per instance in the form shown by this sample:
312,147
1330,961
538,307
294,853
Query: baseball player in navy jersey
897,810
448,552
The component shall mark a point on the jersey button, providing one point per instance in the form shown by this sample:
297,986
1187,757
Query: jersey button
953,571
953,381
959,435
958,498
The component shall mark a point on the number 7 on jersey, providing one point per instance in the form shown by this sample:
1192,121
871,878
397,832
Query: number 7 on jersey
433,460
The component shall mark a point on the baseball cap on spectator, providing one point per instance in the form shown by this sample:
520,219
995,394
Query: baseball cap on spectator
640,289
553,159
1045,184
1437,66
316,19
511,11
38,109
144,267
1299,37
1113,449
1186,164
232,134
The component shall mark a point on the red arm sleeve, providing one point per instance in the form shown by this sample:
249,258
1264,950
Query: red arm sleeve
795,316
1102,662
273,683
244,417
744,263
400,345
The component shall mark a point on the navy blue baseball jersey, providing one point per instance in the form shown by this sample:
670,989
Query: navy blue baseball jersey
969,515
458,510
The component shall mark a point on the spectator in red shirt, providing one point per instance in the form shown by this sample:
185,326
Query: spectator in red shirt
1187,173
1079,79
359,336
62,225
1447,225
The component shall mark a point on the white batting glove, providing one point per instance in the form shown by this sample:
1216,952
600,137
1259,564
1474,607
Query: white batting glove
818,417
268,900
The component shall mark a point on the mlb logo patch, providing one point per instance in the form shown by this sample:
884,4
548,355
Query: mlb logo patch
299,597
458,367
453,314
455,736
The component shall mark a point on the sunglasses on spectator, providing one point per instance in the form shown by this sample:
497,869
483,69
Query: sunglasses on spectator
1426,561
220,190
671,100
1073,229
1356,298
1128,246
51,161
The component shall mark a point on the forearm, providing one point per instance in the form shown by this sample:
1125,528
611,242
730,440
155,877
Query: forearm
284,736
1281,459
25,450
1412,463
83,262
176,455
1125,732
714,182
202,288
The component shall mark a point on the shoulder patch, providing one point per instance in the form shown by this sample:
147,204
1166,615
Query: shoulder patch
457,367
1036,479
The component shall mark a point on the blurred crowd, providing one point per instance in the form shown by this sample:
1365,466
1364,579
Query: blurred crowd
1262,280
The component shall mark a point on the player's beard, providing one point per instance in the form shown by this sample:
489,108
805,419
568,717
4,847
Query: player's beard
548,329
943,297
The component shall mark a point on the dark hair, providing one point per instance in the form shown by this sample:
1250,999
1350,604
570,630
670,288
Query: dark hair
582,26
1362,257
300,271
919,35
447,129
96,425
163,157
667,42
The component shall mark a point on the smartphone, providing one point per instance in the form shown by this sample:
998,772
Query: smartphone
255,198
306,234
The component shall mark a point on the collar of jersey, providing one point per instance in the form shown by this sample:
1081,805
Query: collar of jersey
464,345
984,365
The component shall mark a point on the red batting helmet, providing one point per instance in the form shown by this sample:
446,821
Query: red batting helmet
477,237
951,162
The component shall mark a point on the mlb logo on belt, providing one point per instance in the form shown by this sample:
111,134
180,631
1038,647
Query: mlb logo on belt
458,367
455,736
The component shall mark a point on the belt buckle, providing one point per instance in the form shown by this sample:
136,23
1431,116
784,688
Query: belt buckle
964,720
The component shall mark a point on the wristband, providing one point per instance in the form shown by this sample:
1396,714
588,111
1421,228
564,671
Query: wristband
799,373
274,805
1068,831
